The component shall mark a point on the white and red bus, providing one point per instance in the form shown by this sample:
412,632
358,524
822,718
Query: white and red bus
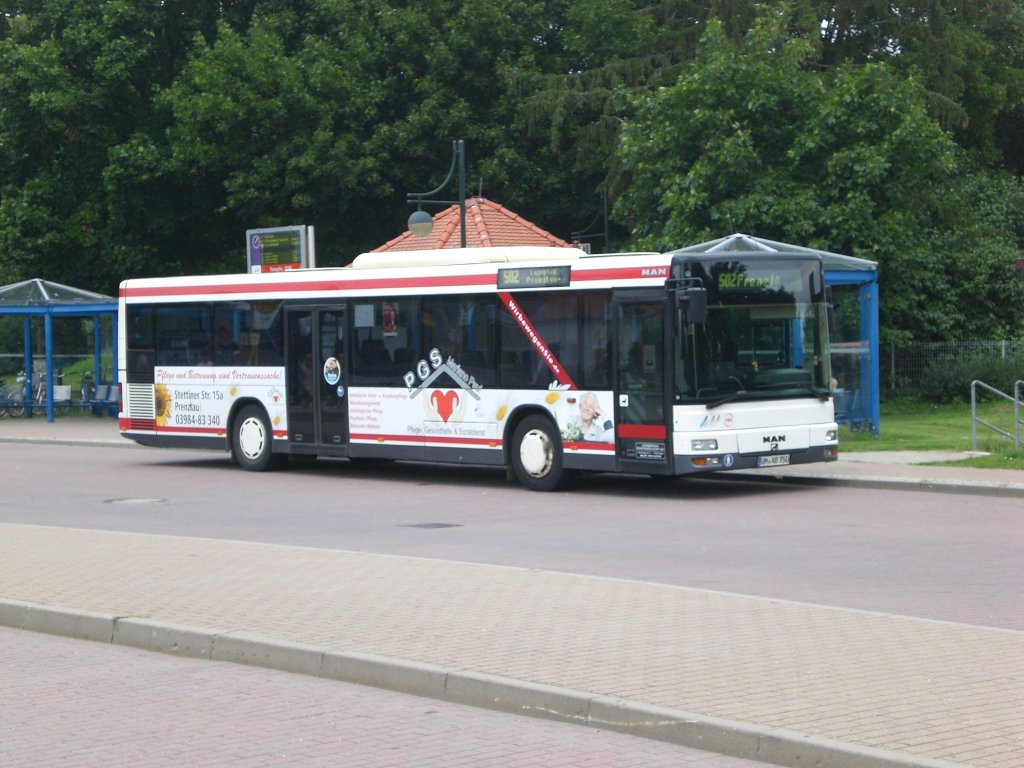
543,360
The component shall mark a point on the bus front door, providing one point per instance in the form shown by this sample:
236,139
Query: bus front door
642,436
317,380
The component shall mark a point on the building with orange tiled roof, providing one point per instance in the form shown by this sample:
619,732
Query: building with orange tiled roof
487,224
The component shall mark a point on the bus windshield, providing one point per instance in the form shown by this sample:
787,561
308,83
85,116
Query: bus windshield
765,335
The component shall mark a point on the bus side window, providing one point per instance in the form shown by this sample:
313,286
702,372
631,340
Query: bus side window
596,351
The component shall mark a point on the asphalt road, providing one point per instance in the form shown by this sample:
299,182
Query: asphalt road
932,555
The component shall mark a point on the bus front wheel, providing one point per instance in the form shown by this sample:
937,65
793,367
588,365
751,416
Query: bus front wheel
536,455
251,440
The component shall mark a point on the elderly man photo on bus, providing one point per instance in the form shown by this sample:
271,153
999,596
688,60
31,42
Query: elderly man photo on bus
594,427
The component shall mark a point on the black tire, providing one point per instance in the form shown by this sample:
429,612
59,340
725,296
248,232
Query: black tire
16,407
536,454
252,440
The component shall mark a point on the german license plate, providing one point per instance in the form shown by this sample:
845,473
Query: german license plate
775,460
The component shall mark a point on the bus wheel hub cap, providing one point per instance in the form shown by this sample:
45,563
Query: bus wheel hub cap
251,439
535,453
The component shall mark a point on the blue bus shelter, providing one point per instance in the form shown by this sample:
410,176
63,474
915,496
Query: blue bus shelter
40,298
855,360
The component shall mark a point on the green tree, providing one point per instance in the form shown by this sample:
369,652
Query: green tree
331,116
572,100
753,139
78,81
969,57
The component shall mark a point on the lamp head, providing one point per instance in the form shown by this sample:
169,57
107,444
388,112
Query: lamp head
420,223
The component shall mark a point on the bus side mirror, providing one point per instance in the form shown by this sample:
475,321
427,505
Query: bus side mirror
694,301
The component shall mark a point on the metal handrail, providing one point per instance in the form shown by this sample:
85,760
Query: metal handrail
1017,399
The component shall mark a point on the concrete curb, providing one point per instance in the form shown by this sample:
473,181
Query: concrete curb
119,443
726,737
966,488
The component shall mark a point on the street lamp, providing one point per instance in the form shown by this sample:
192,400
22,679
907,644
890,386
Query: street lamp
421,222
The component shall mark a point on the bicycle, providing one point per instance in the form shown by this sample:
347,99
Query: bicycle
39,396
13,399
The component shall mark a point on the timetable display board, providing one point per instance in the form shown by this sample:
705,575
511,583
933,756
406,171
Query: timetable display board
277,249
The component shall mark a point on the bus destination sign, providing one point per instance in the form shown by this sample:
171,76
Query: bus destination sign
533,277
759,280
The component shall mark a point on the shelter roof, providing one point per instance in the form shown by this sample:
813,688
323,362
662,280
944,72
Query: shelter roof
37,292
746,243
487,224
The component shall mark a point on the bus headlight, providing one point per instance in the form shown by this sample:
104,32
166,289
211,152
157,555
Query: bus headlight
832,435
704,445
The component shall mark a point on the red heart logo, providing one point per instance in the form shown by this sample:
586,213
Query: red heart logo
444,402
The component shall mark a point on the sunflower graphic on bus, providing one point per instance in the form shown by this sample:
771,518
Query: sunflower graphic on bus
162,404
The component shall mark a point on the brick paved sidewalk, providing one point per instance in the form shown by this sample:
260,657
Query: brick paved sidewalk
73,703
758,678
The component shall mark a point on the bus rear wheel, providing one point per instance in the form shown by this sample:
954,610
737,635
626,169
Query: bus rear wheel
536,455
252,440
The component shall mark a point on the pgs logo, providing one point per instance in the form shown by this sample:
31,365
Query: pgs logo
445,403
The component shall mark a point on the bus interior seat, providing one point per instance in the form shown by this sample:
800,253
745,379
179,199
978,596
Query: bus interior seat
475,364
405,358
515,370
374,356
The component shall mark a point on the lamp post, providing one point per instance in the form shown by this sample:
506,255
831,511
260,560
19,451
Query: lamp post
585,234
421,222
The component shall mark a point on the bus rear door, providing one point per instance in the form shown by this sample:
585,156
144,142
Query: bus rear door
317,380
642,435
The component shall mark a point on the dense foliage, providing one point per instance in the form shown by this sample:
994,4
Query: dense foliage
141,138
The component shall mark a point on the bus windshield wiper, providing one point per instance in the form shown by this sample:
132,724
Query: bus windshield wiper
727,399
821,394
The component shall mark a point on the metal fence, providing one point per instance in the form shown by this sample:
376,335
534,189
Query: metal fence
903,368
1018,395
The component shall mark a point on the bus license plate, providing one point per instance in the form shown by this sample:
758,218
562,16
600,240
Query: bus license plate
775,460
